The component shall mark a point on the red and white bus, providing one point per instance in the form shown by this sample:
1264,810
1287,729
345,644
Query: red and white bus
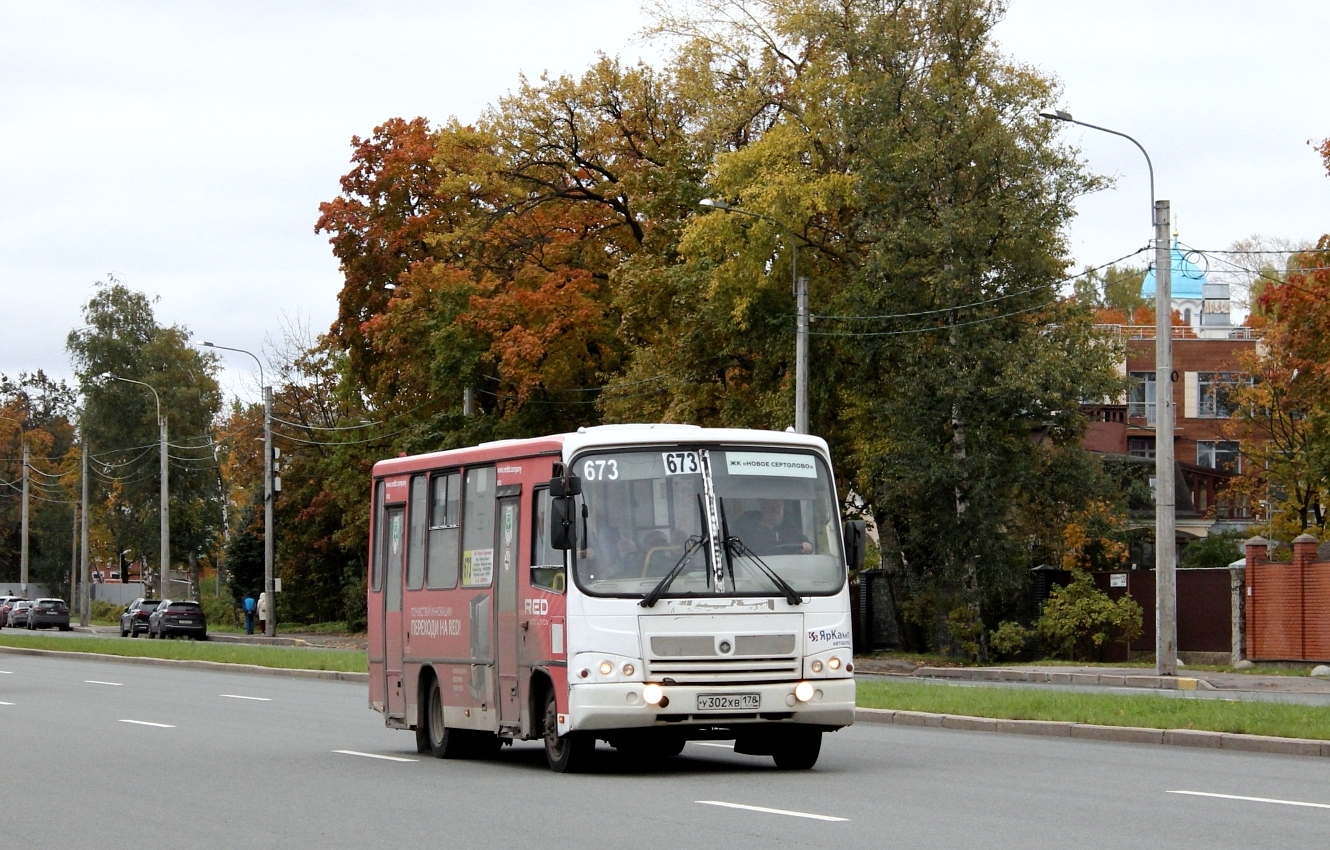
644,585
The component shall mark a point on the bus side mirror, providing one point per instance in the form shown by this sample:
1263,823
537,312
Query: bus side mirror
563,525
565,487
854,544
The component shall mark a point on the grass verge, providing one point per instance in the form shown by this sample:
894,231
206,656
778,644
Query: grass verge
283,657
1153,712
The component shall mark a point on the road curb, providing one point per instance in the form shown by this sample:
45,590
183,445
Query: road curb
1110,680
1092,732
251,669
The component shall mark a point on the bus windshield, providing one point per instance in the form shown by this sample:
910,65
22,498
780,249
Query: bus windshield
641,509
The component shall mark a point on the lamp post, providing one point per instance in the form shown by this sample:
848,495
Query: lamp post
801,320
270,624
1166,632
165,554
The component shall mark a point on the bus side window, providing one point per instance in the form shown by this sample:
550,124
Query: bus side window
376,559
415,541
445,519
478,527
547,568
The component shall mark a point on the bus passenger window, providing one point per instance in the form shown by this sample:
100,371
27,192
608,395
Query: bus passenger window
547,568
478,528
444,522
415,541
376,563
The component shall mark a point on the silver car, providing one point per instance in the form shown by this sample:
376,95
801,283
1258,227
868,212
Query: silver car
18,615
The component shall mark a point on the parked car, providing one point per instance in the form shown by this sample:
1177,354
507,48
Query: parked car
18,615
49,612
135,617
174,617
6,603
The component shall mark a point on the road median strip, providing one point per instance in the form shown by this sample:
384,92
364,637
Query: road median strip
1094,732
253,669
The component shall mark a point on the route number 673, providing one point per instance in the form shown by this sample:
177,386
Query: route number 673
681,463
601,470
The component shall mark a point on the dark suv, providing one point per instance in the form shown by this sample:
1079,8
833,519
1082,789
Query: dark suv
135,618
46,613
178,618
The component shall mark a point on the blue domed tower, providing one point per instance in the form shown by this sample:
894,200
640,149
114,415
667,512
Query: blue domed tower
1204,305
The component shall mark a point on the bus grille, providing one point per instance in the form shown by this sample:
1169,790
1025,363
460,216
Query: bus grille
697,659
691,671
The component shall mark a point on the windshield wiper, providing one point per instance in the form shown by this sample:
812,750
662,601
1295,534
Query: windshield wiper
725,535
784,586
694,544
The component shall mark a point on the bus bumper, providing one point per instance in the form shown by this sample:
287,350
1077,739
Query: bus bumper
619,705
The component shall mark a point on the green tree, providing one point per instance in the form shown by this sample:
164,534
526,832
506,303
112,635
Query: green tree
121,337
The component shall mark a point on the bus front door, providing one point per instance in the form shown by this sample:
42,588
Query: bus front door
506,547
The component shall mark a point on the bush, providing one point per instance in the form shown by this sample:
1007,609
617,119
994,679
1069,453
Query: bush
355,601
1079,620
105,612
1216,550
1008,640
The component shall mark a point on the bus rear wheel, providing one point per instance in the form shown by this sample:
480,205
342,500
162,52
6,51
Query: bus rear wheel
565,753
438,739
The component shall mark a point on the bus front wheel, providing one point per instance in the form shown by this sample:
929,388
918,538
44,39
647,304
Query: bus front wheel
565,753
798,751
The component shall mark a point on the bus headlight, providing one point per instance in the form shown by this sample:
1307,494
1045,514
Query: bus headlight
817,666
629,669
606,668
834,663
652,694
803,691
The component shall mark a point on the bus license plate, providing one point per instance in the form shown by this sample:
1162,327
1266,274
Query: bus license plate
728,702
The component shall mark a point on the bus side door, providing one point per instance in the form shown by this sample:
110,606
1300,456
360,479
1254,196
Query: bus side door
506,533
393,547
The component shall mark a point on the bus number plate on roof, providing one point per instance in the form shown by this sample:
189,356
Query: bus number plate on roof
681,463
729,702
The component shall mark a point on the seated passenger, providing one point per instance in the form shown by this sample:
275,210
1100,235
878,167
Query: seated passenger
768,533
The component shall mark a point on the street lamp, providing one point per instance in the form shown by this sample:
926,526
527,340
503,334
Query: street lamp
801,320
1166,632
165,555
270,624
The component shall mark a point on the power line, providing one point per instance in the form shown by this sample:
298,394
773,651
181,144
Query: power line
992,300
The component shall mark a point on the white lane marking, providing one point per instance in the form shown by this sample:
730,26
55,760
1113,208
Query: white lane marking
769,811
149,723
238,696
7,672
95,682
1253,799
371,755
6,703
714,744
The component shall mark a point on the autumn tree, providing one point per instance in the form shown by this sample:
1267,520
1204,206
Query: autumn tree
1285,413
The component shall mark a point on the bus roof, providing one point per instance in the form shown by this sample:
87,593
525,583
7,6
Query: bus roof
600,435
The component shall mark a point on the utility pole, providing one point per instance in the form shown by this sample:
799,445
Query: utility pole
165,555
84,552
800,345
1166,625
269,548
23,545
74,560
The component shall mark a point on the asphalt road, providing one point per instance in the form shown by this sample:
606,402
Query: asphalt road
256,762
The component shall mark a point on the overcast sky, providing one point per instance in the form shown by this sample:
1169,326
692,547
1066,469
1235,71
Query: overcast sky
185,146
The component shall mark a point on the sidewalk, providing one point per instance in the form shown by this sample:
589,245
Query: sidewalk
1234,685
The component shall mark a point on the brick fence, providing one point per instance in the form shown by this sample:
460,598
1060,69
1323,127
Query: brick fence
1288,603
